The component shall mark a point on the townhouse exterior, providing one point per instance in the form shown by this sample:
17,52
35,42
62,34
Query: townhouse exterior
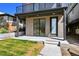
8,21
41,19
73,19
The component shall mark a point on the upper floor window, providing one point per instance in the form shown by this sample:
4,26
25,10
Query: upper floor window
36,6
42,6
28,8
19,9
49,5
58,5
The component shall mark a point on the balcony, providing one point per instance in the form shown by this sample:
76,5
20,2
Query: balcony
32,7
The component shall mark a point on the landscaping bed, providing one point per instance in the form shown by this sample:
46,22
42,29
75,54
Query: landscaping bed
70,50
14,47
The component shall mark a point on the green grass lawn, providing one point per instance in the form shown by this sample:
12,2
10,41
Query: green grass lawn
14,47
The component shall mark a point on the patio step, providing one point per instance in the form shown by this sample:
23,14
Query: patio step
50,50
52,40
53,43
58,38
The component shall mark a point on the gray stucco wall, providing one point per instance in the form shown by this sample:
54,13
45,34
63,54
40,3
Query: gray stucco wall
74,14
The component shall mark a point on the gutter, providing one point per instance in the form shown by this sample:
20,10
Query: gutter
54,9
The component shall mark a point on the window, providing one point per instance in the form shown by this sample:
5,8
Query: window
6,18
28,8
58,4
49,5
42,6
36,6
19,9
10,18
54,25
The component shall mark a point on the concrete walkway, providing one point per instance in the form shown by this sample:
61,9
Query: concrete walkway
50,50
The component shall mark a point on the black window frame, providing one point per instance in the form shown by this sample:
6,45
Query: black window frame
56,25
58,5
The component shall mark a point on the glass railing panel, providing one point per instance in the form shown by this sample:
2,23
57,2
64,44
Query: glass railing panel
19,9
26,8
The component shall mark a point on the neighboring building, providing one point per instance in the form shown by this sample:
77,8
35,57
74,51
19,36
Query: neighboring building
73,19
7,20
41,19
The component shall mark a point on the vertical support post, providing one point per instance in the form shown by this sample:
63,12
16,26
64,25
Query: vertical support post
17,31
64,24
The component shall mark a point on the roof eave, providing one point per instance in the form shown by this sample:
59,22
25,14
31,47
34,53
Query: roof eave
54,9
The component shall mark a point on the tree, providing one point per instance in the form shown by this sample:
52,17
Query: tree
3,22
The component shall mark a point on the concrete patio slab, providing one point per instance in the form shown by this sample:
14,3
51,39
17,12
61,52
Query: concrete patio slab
50,50
58,38
53,40
32,38
45,39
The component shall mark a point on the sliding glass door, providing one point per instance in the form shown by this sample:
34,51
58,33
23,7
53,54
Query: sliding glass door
39,27
42,27
36,27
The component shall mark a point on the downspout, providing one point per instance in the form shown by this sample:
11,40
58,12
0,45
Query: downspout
64,24
17,30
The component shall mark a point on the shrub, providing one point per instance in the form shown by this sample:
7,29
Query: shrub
3,30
